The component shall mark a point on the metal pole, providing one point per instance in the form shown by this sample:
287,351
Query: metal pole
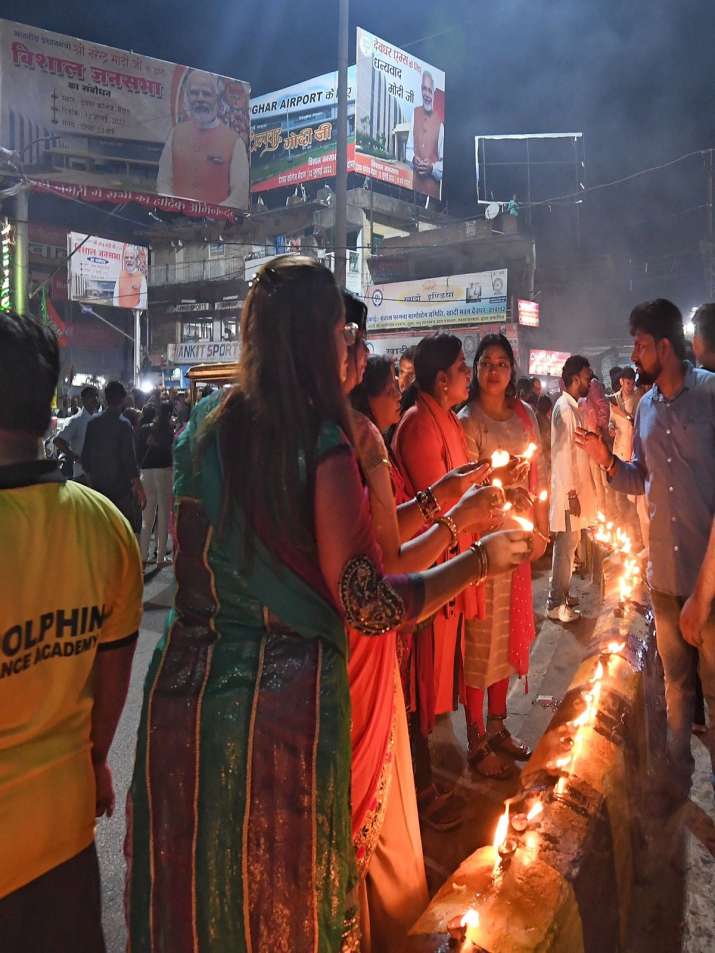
22,251
341,170
137,346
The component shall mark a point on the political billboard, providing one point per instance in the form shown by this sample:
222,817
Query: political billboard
399,111
102,271
451,301
87,116
294,132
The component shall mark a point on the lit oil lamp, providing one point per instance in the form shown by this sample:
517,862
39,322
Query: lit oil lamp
500,458
470,922
543,496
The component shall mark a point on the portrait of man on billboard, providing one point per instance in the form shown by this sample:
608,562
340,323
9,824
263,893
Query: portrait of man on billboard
425,144
204,158
130,288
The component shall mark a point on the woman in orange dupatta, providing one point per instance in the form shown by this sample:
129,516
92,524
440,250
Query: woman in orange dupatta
428,443
496,645
392,890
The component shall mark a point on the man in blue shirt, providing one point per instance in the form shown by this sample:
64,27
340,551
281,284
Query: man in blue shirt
673,463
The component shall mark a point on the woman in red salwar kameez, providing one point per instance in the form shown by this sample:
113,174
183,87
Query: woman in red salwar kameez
427,444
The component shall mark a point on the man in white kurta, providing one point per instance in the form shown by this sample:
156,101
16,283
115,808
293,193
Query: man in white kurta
573,497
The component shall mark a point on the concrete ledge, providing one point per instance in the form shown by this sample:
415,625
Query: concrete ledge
564,882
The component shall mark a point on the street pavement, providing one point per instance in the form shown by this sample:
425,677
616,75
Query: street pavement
556,654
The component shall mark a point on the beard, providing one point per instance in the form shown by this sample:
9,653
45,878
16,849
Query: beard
646,378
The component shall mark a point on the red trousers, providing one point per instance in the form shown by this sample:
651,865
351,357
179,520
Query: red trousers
474,703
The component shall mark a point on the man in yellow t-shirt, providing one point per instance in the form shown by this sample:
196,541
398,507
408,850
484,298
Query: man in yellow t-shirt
70,607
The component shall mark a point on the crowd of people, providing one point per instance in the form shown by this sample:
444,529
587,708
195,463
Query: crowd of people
353,553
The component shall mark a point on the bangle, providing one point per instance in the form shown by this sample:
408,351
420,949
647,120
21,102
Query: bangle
451,526
428,505
482,560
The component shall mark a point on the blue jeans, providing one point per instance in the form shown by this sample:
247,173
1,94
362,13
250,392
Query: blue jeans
565,544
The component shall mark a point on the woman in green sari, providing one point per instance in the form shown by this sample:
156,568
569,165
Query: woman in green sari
239,834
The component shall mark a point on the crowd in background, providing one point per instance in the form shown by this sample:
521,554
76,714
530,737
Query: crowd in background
354,562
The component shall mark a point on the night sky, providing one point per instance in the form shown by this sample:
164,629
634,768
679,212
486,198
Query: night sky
636,77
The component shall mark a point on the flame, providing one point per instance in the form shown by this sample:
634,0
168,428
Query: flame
470,919
615,647
502,828
530,451
543,496
536,809
500,458
497,482
598,675
525,524
507,506
582,719
563,762
600,517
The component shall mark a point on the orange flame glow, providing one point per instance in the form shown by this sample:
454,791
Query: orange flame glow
500,458
502,828
536,809
525,524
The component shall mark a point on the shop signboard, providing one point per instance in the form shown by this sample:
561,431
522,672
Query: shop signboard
205,352
547,363
529,313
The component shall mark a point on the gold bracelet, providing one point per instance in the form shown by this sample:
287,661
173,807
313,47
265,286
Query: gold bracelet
482,559
451,526
428,505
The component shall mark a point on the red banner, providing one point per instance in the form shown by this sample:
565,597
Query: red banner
164,203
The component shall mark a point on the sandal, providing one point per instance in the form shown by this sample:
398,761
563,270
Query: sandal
504,742
440,810
485,759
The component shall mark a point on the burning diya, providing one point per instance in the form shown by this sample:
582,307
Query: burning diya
503,897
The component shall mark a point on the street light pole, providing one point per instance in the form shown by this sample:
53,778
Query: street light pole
22,251
341,169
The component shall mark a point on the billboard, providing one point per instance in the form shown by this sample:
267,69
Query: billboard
547,363
451,301
102,271
399,112
294,132
87,116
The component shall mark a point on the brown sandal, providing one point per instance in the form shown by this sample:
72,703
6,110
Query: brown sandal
504,742
480,748
440,810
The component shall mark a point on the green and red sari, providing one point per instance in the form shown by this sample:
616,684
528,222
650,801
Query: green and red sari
239,821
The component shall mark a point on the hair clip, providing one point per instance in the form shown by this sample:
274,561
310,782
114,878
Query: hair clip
267,278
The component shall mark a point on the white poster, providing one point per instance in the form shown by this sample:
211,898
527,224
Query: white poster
477,298
102,271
